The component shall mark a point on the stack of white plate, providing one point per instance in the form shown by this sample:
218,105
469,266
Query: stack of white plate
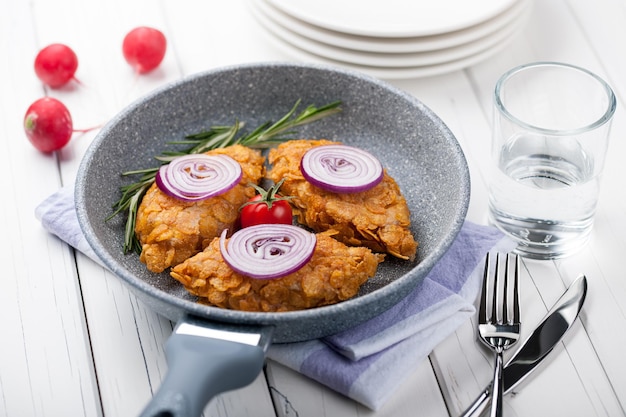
392,38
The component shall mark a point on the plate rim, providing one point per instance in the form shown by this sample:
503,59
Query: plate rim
412,44
309,15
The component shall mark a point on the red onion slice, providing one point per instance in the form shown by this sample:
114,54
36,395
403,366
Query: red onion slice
341,168
268,250
198,176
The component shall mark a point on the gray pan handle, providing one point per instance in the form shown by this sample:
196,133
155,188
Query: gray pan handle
205,359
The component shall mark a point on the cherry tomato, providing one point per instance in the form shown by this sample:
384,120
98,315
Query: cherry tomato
257,211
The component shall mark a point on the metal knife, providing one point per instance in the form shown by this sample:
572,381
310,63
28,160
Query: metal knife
541,342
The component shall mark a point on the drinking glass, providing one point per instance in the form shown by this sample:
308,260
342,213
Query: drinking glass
551,125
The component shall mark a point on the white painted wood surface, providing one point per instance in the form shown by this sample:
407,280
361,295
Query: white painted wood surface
75,342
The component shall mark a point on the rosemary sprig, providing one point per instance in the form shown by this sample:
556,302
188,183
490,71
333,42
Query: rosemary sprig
264,136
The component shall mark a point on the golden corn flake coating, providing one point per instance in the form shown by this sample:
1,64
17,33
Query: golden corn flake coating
334,273
377,218
171,230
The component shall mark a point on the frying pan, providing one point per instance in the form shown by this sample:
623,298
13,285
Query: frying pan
213,350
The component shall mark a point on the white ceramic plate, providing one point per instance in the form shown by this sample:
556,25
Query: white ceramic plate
393,18
387,73
388,44
385,60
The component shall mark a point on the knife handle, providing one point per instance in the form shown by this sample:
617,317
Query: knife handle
479,405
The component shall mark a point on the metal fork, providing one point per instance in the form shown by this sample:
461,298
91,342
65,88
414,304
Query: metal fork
499,318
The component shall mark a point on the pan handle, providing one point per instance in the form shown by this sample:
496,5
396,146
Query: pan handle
205,359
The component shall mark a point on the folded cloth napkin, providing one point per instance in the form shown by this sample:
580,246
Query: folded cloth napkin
367,362
57,215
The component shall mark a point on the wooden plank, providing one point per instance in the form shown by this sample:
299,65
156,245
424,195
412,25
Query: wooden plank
216,36
46,366
296,395
601,24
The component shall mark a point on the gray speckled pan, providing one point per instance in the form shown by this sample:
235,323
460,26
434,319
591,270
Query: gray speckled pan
413,144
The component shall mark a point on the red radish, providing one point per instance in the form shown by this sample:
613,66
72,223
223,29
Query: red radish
55,65
144,48
48,124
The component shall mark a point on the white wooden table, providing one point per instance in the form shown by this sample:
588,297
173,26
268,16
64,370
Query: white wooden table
75,342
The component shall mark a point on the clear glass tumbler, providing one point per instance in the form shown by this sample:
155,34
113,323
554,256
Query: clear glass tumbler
551,125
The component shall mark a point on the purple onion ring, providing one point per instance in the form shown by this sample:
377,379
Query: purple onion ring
198,176
268,251
341,168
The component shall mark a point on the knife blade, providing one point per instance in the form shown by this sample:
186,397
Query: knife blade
539,344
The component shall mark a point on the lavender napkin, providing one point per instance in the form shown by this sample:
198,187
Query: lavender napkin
368,362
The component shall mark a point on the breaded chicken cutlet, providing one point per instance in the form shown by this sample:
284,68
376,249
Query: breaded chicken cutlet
335,273
377,218
171,230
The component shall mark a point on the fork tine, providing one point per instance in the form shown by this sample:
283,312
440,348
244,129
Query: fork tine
482,308
505,293
494,296
516,312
